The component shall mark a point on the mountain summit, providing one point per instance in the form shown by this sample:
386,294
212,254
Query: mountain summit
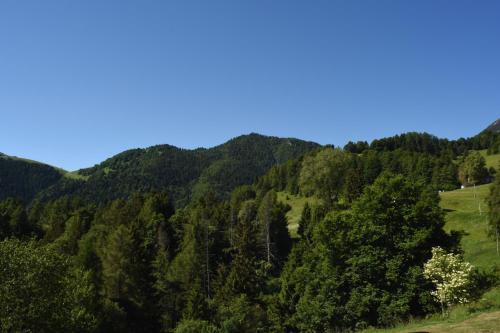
494,127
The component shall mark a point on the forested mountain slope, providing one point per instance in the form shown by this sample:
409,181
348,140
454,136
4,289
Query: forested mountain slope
23,178
182,173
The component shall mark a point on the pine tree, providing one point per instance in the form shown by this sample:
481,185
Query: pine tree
118,265
243,275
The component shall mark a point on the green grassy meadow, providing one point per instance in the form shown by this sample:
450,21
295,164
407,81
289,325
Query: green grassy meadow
75,175
297,204
467,210
491,160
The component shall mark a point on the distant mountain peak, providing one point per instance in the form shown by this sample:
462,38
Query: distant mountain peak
494,127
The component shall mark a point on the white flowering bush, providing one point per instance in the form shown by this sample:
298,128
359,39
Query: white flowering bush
451,276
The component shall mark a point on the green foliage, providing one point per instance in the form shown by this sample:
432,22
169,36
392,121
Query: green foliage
195,326
472,169
323,174
242,316
14,221
117,265
76,225
366,266
53,216
356,148
245,256
344,182
202,251
463,214
429,144
41,292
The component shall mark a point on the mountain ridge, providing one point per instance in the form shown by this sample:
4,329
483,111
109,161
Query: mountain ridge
183,173
494,127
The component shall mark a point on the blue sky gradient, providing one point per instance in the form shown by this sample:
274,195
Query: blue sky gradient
83,80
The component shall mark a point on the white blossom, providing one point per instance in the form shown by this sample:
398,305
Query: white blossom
451,276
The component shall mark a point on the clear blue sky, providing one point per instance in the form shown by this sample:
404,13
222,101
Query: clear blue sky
83,80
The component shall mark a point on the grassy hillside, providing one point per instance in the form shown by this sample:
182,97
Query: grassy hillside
75,175
297,204
467,210
491,160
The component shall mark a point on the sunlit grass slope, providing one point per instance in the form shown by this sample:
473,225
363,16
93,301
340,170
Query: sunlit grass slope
297,204
75,175
467,210
491,160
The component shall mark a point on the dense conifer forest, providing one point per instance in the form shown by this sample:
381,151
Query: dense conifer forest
170,240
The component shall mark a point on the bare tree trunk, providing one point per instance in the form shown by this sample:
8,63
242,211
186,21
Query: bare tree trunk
268,233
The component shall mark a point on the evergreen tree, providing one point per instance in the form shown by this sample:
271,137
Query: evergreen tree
202,251
14,221
118,266
243,276
76,226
